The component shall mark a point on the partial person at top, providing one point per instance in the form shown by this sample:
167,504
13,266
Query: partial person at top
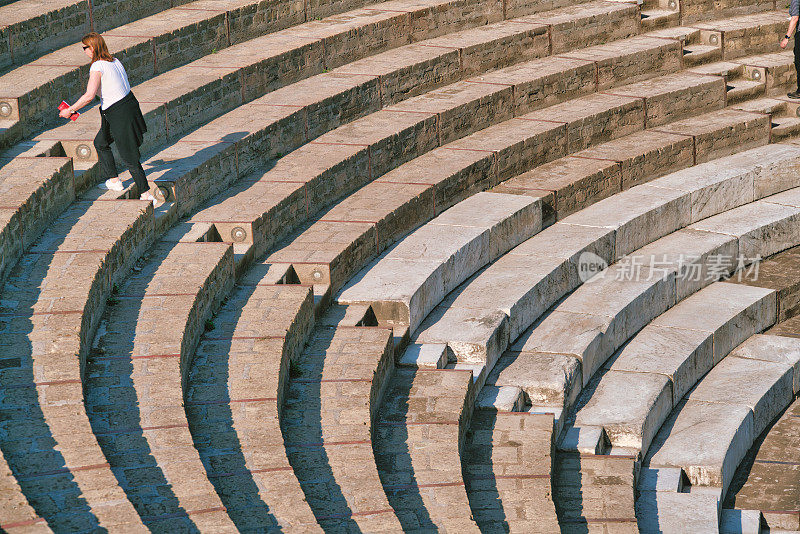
121,117
794,16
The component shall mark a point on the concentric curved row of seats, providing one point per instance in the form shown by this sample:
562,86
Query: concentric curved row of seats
220,164
765,484
52,301
730,406
143,348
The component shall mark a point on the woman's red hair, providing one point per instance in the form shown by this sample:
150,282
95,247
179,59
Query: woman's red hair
99,48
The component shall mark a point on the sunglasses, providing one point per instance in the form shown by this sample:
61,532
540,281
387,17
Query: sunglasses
85,47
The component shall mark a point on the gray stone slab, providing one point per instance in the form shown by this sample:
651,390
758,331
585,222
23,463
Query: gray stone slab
442,254
473,338
708,440
590,338
547,379
764,387
763,227
777,349
630,406
665,512
730,311
693,255
683,355
713,187
639,216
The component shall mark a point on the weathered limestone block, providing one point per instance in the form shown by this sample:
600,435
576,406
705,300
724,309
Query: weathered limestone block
672,513
650,212
747,34
462,107
594,119
731,313
769,348
631,60
708,440
35,28
589,24
545,82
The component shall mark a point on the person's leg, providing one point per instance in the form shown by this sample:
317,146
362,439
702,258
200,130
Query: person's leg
102,143
797,60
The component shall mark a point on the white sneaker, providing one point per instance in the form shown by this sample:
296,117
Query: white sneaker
148,196
114,184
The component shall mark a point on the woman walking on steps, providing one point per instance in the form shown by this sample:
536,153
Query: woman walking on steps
121,118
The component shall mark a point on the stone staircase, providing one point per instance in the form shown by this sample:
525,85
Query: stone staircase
347,189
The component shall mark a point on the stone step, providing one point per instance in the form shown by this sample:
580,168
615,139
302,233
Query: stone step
574,182
406,282
32,28
658,366
655,19
213,85
711,430
134,378
778,273
745,35
18,515
418,439
534,279
235,391
453,107
673,513
35,192
327,422
52,302
676,96
595,492
765,483
592,23
699,10
507,466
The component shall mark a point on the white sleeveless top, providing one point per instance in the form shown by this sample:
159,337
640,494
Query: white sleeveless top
114,84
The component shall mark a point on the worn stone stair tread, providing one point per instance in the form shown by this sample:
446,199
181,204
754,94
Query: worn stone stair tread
505,318
443,253
637,393
668,512
143,344
507,468
418,430
54,294
17,512
331,400
243,363
765,480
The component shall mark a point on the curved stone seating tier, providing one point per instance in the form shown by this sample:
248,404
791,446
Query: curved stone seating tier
314,45
51,304
132,389
765,484
657,367
506,465
780,274
30,28
18,516
235,390
710,431
331,401
213,85
405,283
595,492
478,321
35,191
418,439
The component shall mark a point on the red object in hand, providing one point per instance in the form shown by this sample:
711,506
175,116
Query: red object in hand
63,105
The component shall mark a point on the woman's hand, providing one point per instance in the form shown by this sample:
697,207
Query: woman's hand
66,113
784,42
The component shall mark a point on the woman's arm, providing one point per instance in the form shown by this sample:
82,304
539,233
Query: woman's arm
91,91
790,31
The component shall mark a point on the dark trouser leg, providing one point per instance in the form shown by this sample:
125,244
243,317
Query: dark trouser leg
139,178
130,155
797,58
102,143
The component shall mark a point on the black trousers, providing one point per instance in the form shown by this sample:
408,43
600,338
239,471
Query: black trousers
118,125
797,57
